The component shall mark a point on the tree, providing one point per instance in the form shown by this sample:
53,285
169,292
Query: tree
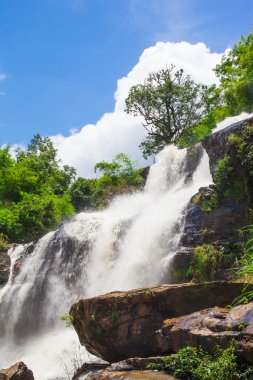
171,104
120,170
115,177
34,191
236,76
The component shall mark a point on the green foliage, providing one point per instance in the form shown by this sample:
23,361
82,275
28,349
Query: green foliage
217,111
34,194
68,319
183,364
206,261
3,242
193,364
85,194
207,200
116,177
244,147
171,104
245,267
120,170
236,76
223,173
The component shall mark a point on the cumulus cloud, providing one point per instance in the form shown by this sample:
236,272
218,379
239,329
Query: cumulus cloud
118,132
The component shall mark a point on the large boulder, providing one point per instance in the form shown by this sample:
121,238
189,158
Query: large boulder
17,371
209,328
120,325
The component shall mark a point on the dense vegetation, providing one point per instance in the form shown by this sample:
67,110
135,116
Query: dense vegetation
36,193
116,177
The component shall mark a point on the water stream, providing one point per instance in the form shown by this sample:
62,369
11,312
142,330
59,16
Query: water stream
130,244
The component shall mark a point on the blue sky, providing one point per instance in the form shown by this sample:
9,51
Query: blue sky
62,58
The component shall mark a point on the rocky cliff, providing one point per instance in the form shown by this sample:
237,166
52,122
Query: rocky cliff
216,214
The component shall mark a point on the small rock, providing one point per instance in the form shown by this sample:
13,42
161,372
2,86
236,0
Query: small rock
17,371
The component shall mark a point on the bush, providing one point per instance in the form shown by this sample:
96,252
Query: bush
223,173
207,199
192,363
206,261
245,266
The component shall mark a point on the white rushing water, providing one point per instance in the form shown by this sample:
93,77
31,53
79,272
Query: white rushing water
128,245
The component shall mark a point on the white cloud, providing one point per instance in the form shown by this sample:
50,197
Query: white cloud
118,132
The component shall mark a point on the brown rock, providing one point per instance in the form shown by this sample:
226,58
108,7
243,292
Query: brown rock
17,371
120,325
130,375
209,328
132,364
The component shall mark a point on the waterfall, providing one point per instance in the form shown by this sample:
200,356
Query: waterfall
128,245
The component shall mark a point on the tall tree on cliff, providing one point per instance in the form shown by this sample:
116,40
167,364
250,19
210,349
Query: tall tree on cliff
171,104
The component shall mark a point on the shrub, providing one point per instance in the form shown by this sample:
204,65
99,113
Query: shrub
207,199
223,173
206,261
68,319
245,267
192,363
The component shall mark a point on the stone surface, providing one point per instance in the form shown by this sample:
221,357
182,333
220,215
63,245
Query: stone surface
120,325
130,375
222,224
5,263
17,371
209,328
216,145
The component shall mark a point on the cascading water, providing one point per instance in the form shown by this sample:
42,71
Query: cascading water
128,245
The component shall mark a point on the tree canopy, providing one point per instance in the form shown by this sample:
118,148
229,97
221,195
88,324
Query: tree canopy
236,76
34,194
115,177
171,104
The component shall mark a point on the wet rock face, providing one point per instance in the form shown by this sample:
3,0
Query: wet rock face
209,328
5,263
217,145
120,325
223,214
17,371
